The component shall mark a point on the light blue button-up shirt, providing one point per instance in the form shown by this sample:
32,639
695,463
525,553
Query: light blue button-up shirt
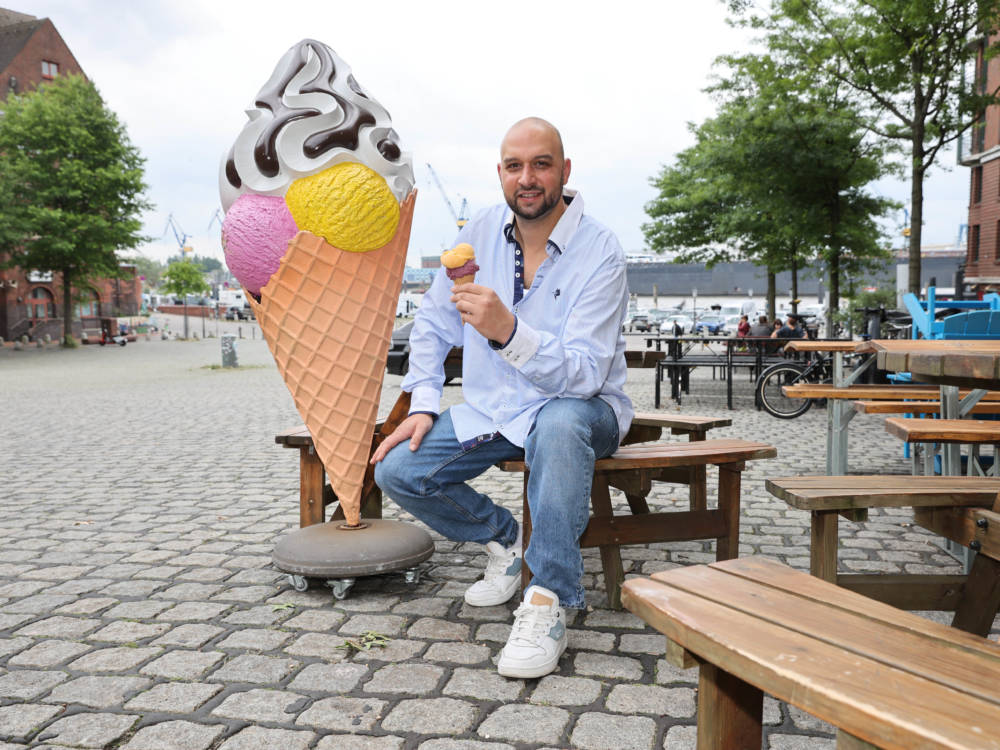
568,342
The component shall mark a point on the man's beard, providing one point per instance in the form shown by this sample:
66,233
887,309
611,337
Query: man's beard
548,203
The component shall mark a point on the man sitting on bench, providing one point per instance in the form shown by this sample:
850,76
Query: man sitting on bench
542,375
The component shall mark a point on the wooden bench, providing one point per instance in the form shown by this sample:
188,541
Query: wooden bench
315,494
918,407
633,469
884,678
945,505
972,432
633,473
872,392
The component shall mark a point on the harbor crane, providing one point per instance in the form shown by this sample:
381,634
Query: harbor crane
460,218
179,234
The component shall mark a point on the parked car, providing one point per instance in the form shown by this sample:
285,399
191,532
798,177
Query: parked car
710,325
656,318
233,313
398,362
676,323
639,322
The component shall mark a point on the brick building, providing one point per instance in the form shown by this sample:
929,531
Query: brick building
979,149
32,52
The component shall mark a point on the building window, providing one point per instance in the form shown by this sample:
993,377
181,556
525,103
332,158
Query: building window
974,244
996,245
41,304
977,184
49,69
90,307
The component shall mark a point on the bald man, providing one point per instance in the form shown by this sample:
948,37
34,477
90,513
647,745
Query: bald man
542,376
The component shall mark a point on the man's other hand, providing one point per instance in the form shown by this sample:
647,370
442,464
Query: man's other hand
481,308
413,428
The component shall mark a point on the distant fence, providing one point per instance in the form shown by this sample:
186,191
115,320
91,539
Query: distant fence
194,311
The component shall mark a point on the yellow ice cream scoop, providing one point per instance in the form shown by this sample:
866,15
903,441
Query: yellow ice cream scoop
458,255
348,205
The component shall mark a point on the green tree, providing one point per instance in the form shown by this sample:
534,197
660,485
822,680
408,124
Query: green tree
150,268
183,278
903,60
71,186
778,177
207,263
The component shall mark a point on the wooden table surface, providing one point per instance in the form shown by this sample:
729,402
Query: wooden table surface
818,647
972,363
808,345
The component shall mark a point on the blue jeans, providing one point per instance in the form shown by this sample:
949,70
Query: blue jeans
569,434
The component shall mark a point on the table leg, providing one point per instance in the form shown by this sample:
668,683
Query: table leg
823,544
728,547
951,453
837,419
311,478
611,556
729,711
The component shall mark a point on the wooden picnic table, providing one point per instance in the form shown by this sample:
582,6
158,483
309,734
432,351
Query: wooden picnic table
751,352
838,413
952,364
884,678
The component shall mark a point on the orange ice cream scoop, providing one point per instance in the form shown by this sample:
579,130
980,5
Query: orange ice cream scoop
460,263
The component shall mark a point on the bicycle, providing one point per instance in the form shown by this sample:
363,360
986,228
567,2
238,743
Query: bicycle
768,392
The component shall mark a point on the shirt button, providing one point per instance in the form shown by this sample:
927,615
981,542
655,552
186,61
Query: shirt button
517,275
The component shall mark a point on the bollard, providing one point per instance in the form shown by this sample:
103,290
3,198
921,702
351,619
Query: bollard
229,350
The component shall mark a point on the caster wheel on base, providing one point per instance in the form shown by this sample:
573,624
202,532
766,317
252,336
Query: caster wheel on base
299,583
411,576
341,587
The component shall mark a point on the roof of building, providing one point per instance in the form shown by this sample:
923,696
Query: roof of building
8,16
13,37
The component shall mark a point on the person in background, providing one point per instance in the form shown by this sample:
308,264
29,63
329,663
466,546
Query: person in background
790,330
761,329
743,329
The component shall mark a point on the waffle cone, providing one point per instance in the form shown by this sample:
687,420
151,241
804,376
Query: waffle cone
465,279
327,316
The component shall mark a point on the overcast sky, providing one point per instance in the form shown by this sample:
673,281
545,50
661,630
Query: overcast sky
620,79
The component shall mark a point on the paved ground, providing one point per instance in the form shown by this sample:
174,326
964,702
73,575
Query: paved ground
142,494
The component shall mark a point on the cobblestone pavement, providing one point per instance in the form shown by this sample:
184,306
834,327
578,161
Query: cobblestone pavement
142,496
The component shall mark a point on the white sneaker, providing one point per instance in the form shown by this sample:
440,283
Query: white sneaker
502,578
538,637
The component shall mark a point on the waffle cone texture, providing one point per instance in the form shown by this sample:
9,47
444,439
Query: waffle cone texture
327,316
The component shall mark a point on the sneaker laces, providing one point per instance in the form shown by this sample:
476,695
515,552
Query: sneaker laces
497,564
532,622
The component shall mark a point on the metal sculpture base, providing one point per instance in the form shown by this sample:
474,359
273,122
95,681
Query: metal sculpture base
340,554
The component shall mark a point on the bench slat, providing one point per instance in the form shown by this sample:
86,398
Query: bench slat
918,407
770,597
878,491
914,430
888,706
664,455
880,392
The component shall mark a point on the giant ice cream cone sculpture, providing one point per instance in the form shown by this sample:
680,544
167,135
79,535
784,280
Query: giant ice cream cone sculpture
319,205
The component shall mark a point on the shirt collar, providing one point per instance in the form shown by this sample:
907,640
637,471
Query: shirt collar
564,229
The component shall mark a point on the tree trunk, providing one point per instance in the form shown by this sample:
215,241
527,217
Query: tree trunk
185,317
916,221
795,284
67,305
833,298
771,286
917,169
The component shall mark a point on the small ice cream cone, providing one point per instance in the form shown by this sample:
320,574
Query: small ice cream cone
327,316
461,259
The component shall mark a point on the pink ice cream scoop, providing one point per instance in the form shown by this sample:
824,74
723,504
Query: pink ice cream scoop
468,268
255,235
